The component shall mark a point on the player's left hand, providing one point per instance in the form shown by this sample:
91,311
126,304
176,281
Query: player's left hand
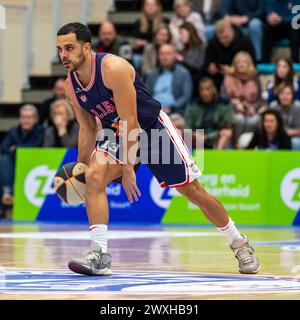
129,183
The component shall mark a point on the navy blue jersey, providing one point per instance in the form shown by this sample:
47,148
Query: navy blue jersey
98,100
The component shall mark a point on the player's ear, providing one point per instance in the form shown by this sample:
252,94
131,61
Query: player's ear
87,48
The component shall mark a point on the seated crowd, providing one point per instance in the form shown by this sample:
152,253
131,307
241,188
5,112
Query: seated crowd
201,66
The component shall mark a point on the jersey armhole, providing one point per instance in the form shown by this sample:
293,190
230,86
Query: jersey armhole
102,74
73,94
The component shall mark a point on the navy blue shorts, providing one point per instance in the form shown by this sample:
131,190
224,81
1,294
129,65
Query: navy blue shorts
167,156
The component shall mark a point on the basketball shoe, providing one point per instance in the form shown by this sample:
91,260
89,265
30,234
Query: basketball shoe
94,262
248,261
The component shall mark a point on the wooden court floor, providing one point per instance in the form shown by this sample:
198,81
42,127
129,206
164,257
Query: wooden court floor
149,262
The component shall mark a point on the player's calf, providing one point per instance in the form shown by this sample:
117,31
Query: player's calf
215,212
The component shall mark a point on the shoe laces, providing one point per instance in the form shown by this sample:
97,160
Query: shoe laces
92,256
245,254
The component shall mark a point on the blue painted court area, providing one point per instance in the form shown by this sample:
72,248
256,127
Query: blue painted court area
142,283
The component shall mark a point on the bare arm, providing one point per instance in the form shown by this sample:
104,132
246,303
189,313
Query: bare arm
87,129
118,75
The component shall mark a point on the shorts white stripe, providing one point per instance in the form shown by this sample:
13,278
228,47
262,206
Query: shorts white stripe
192,171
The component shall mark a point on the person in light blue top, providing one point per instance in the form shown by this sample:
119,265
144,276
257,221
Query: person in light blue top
163,88
171,84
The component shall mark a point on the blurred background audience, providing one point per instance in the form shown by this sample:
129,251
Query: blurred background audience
271,134
290,112
58,93
242,87
171,83
110,42
150,56
64,129
210,114
279,18
284,73
221,49
248,16
151,19
28,134
183,12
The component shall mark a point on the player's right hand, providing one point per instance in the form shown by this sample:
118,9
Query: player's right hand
129,183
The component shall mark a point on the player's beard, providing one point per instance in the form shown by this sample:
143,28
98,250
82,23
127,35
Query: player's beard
78,64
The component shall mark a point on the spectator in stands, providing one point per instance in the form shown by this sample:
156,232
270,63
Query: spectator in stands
64,131
290,112
280,26
110,42
284,73
58,93
171,84
242,88
192,55
227,42
28,134
210,10
150,58
272,135
184,13
248,15
207,112
150,21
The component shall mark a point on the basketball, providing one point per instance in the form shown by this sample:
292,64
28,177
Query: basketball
69,183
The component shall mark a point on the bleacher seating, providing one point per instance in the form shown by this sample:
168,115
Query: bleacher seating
125,14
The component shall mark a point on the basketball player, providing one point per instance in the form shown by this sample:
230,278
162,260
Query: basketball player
105,87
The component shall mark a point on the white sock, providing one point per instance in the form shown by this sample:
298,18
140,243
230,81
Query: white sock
230,232
99,235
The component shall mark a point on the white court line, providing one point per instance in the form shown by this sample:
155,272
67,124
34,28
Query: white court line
85,235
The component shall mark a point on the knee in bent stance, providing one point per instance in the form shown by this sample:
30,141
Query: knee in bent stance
94,180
